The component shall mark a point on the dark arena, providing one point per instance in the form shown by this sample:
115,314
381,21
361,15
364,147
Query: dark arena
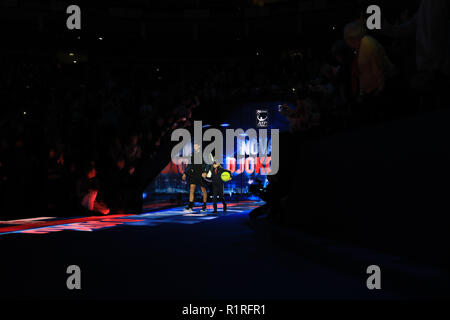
224,159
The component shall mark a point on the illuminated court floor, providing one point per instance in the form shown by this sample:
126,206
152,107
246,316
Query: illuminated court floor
168,255
44,225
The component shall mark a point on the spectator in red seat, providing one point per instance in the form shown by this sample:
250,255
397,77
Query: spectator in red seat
88,190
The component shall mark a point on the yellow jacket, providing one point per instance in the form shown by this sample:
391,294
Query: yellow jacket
374,65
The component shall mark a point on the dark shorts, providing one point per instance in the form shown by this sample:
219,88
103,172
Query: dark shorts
198,181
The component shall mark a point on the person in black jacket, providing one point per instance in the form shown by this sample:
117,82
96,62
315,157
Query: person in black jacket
196,174
118,192
218,186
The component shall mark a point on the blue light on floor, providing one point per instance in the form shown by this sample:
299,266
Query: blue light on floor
175,215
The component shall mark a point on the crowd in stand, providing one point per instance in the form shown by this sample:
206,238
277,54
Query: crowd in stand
95,130
99,122
376,76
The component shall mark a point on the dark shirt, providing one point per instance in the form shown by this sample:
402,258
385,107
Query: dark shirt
216,175
196,169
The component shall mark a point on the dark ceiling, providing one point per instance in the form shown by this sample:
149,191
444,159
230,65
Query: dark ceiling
176,23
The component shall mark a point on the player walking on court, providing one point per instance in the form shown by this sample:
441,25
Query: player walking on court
196,174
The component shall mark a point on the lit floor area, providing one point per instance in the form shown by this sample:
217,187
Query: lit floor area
43,225
167,255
